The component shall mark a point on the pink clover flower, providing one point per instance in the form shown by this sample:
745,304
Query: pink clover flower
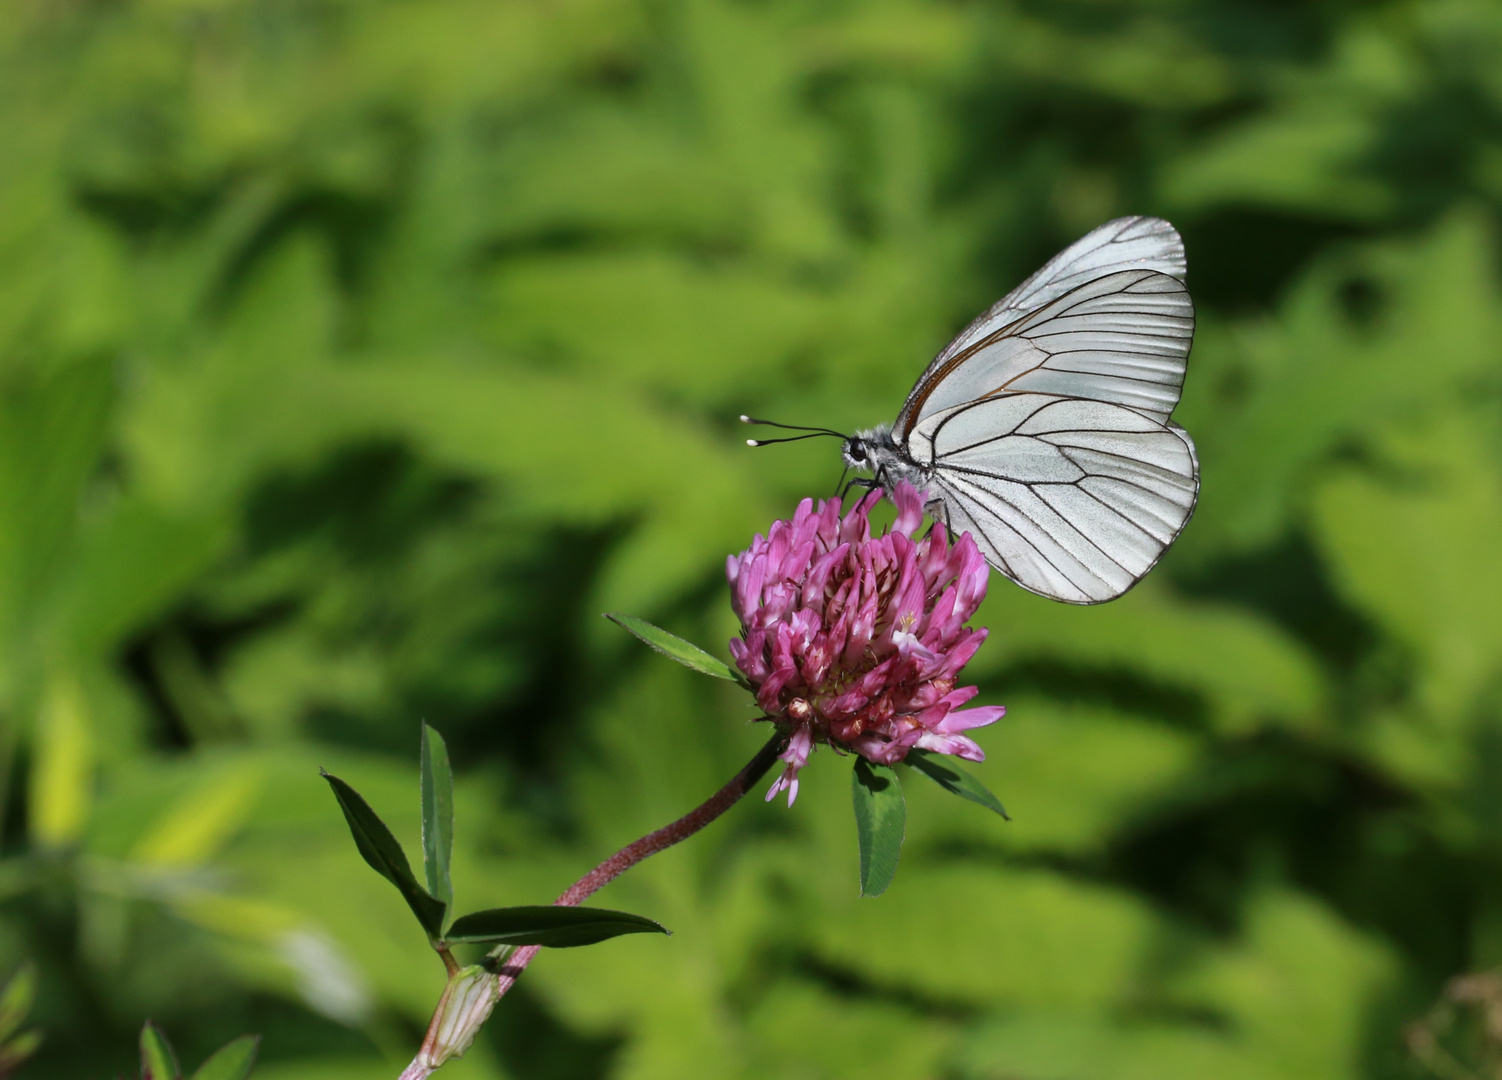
856,641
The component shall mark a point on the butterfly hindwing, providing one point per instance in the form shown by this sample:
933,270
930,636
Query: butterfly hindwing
1072,499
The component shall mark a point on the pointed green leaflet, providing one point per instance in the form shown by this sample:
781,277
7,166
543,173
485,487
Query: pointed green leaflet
380,849
952,778
880,822
557,927
437,815
670,645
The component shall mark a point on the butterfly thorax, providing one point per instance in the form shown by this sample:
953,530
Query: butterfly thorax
877,452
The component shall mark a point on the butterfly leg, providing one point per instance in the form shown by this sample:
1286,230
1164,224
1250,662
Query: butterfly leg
867,482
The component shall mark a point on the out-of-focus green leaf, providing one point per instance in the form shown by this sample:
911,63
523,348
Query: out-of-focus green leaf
557,927
1039,1043
1431,574
437,814
1081,771
233,1061
16,999
1295,986
199,824
15,1051
1038,936
880,822
1303,157
385,856
686,653
62,774
952,778
158,1061
1246,669
1435,294
1297,960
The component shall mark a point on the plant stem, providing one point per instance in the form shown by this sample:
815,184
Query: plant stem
428,1058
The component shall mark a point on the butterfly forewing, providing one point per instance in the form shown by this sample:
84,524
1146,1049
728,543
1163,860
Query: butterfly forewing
1124,244
1129,243
1122,339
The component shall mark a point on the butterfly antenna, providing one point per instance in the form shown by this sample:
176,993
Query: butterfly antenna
793,438
814,432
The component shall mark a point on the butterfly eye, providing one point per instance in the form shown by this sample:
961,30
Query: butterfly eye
856,449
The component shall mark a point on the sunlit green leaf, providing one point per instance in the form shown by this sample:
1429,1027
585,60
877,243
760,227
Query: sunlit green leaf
1431,575
158,1061
233,1061
16,999
558,927
686,653
380,849
437,814
951,777
880,821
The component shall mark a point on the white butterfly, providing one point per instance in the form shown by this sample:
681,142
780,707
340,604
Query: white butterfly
1043,429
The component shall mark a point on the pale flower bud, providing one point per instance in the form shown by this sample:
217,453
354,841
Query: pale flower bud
466,1003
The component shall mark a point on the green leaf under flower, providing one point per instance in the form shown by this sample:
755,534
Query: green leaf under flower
880,822
556,927
437,815
952,778
685,652
380,849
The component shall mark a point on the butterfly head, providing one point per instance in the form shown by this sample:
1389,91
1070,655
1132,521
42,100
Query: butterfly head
871,449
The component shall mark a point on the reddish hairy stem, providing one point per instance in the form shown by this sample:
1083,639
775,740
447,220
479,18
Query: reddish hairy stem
650,844
601,875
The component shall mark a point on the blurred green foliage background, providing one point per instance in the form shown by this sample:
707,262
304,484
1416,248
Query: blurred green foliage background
355,354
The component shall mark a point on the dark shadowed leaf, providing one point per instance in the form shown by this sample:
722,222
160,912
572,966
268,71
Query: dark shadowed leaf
880,821
437,815
380,849
17,1050
952,778
686,653
232,1062
558,927
158,1062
